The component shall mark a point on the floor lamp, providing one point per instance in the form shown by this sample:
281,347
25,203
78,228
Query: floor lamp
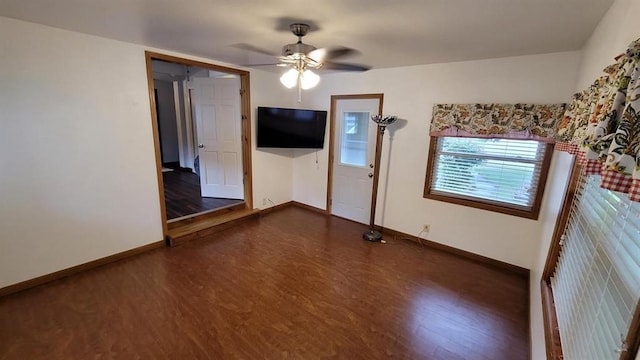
383,121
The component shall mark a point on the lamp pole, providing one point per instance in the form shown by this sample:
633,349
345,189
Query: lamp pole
382,121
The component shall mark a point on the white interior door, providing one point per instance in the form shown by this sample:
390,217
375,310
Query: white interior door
218,132
355,141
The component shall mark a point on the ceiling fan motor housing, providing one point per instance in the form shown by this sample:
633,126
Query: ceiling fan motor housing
297,48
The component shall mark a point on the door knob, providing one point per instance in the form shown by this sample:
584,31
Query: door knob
370,175
201,146
371,166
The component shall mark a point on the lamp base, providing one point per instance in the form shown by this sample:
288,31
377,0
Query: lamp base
372,235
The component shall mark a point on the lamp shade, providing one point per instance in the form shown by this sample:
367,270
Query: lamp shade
290,78
309,79
384,120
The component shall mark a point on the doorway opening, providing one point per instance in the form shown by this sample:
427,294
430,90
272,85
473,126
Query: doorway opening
352,146
201,124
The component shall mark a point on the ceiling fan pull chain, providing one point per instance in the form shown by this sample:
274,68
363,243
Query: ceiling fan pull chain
299,87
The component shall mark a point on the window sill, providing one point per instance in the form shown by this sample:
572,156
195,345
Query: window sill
533,214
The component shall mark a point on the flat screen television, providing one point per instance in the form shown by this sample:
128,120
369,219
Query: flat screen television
291,128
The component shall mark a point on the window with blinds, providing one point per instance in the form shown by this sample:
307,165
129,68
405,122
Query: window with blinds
596,284
500,173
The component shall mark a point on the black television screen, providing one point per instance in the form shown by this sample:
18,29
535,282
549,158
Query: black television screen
290,128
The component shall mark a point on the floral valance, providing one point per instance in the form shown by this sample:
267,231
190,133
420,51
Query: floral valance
514,121
602,125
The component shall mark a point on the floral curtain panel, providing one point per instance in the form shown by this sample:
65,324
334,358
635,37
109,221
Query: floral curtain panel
602,125
512,121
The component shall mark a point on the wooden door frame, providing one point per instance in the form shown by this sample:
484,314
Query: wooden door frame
245,111
332,134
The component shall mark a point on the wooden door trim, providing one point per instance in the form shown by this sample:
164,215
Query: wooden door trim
332,135
245,110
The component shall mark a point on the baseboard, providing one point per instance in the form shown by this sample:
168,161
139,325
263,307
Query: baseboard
276,208
510,268
309,207
11,289
292,203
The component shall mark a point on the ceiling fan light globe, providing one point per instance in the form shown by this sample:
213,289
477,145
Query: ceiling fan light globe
309,79
290,78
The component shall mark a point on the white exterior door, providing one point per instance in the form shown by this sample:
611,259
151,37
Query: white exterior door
218,132
354,151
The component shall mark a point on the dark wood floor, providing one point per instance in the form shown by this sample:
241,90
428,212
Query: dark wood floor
182,195
292,285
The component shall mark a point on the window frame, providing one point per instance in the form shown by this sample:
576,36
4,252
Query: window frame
553,342
478,204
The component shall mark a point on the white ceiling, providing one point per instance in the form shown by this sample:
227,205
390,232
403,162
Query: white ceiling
388,33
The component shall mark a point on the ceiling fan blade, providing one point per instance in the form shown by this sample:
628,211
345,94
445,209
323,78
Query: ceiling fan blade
329,65
325,54
253,48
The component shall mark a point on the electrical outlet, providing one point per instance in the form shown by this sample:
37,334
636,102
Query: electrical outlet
264,201
426,228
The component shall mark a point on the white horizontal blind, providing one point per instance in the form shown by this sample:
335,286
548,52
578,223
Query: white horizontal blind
495,171
596,285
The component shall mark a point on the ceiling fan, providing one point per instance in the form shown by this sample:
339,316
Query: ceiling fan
302,58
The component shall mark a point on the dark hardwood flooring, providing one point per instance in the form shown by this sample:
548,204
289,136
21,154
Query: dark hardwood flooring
182,195
293,284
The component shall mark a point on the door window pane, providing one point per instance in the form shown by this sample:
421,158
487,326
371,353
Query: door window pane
354,135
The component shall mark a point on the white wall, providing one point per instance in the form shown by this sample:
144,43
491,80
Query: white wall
410,93
77,165
272,168
618,28
78,173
